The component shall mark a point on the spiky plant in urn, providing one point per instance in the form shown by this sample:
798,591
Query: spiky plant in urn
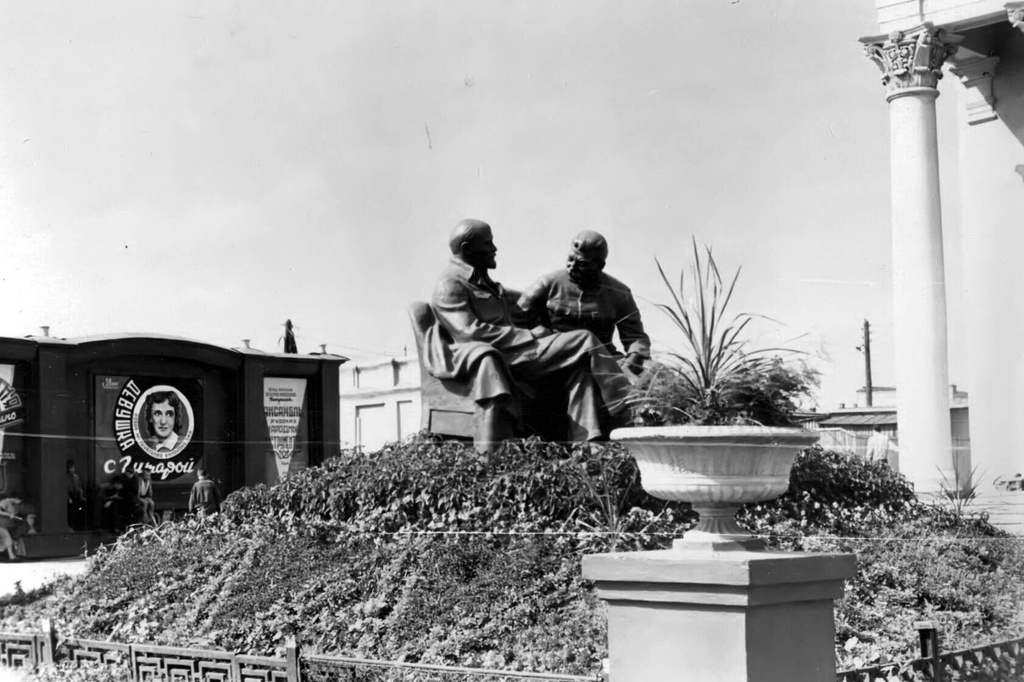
715,419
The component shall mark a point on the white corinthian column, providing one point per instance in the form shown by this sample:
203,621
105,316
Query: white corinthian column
911,64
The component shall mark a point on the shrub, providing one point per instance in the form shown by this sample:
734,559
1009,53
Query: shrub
333,557
915,561
87,672
424,553
831,493
444,486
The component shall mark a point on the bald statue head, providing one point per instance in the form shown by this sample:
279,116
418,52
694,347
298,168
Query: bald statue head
587,257
472,241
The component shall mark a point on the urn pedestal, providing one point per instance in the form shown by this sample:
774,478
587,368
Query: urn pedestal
711,608
720,616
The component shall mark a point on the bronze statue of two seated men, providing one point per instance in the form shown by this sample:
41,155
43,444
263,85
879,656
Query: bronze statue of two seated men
556,336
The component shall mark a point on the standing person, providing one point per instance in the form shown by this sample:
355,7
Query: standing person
204,497
474,311
881,448
144,497
582,296
76,498
115,507
9,522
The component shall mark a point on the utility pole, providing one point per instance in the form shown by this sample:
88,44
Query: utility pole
866,349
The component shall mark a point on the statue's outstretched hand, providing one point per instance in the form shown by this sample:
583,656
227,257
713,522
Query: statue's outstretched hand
635,363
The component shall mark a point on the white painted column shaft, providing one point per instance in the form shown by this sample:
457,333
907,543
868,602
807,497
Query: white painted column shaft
919,291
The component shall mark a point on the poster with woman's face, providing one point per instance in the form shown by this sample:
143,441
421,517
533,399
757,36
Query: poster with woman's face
163,422
152,425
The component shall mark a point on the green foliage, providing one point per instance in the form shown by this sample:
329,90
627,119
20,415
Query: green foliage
967,578
916,561
958,495
834,494
443,486
717,379
423,552
20,596
87,672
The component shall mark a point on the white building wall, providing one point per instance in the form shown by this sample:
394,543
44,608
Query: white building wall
380,402
992,202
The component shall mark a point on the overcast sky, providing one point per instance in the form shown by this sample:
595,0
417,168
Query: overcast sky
209,169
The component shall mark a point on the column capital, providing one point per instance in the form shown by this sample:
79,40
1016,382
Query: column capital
911,59
1015,14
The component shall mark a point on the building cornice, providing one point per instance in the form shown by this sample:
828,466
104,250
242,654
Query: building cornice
380,392
954,15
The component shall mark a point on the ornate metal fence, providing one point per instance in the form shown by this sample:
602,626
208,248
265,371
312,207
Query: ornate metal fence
316,668
21,650
174,663
146,663
991,662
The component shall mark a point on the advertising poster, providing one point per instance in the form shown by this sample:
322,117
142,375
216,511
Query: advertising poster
12,414
284,403
148,424
11,409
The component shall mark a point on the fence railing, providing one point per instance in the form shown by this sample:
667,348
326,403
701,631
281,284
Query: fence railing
316,668
836,438
150,662
990,662
21,650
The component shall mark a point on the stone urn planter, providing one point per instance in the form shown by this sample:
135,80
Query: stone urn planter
717,469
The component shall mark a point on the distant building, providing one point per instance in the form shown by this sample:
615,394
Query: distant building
848,428
379,402
881,396
885,396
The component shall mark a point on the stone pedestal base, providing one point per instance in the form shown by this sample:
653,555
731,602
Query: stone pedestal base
722,617
718,531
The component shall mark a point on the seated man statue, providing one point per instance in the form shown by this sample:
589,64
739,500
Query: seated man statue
476,314
582,296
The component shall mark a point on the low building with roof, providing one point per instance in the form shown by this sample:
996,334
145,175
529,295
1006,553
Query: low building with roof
79,415
848,428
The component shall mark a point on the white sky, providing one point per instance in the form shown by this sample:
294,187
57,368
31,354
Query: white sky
209,169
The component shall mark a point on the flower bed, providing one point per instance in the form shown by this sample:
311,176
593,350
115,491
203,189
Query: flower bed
423,553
